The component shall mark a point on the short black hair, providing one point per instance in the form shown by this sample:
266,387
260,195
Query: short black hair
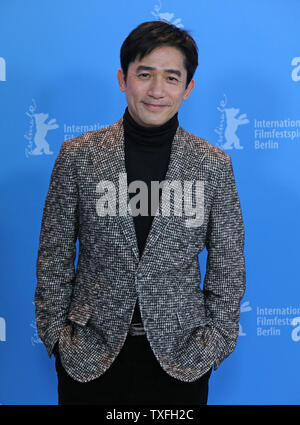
152,34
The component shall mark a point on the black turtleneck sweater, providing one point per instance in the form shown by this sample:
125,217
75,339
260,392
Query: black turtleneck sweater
147,156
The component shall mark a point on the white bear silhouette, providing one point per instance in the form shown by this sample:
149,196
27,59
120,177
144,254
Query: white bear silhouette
232,124
166,16
244,307
2,329
41,130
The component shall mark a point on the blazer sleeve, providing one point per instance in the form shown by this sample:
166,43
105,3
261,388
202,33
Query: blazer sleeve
224,282
55,269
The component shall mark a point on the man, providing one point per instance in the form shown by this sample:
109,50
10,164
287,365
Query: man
131,323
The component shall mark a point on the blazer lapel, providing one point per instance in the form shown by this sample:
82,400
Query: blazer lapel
109,164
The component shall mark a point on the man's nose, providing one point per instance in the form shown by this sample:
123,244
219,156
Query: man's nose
156,88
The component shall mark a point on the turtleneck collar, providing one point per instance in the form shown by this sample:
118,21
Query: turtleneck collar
149,136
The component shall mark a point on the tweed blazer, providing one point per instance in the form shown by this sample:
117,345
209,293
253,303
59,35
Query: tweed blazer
191,323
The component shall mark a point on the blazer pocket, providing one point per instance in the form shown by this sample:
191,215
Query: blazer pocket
190,319
80,314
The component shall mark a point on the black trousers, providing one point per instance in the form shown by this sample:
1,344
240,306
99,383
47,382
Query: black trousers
134,378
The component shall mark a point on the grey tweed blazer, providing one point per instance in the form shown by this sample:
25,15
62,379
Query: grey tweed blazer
89,310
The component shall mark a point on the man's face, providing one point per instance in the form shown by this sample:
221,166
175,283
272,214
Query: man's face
155,86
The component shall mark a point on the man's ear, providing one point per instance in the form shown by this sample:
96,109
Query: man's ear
188,90
121,80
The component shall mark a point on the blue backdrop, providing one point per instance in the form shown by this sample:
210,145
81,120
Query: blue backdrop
58,66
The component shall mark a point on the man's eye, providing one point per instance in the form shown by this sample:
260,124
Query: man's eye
173,79
143,74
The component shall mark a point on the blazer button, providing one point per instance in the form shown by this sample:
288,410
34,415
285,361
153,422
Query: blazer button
139,275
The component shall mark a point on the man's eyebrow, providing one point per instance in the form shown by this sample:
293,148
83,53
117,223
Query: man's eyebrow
150,68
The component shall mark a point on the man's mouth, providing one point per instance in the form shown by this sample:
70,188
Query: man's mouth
153,107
